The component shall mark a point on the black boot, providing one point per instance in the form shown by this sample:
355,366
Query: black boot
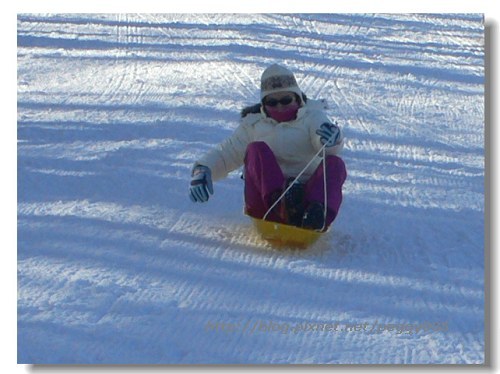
294,203
277,210
314,216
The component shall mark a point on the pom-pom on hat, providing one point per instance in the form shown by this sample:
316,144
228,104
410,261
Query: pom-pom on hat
277,78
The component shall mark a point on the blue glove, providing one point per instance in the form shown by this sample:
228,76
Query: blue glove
329,133
201,184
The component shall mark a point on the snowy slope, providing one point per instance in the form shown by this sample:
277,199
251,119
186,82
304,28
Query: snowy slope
116,265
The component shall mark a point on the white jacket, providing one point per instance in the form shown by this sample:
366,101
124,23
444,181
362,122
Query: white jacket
293,143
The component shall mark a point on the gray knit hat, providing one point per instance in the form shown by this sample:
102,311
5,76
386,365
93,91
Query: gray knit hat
277,78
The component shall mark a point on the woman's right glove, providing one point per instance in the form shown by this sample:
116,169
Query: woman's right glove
201,184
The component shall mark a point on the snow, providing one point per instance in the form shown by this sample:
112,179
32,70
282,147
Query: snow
117,265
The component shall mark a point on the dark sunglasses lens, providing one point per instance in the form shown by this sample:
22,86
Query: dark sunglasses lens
271,102
283,101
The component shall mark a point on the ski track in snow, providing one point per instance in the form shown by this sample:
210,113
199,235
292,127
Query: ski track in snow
116,265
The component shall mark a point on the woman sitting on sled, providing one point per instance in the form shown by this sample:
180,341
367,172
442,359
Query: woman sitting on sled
275,141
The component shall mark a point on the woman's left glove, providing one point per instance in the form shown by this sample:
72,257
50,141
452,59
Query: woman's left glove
329,133
201,184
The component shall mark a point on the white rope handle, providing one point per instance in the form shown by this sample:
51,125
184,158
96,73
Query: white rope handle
323,151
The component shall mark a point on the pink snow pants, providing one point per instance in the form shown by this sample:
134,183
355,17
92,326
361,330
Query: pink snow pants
263,177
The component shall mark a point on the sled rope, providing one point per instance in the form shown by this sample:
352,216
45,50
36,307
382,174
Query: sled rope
325,200
321,151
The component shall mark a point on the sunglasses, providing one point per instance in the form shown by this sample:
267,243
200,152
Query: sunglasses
286,100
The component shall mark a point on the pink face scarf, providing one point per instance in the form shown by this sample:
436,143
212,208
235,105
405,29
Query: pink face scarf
287,113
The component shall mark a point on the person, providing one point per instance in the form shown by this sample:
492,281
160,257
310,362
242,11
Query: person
275,141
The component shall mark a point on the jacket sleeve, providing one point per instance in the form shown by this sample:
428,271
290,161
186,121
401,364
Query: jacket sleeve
316,119
229,155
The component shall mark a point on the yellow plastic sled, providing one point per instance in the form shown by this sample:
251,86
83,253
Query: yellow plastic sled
281,235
